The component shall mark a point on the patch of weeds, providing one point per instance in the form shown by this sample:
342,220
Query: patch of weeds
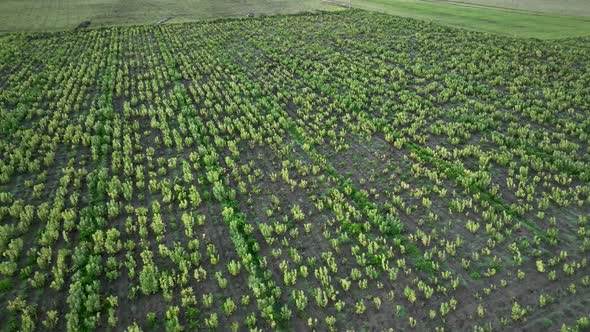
400,311
547,322
26,272
192,315
12,323
152,319
5,285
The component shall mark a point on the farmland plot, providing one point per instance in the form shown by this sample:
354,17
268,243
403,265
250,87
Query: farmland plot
338,171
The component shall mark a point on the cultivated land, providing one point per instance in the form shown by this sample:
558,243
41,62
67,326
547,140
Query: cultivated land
528,24
339,171
46,15
564,7
493,16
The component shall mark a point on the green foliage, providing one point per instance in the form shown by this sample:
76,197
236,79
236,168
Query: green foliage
244,174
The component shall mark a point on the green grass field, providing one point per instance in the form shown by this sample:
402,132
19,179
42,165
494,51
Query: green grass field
495,20
562,7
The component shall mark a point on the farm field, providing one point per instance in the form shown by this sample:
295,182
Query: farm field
335,171
487,16
52,15
566,7
561,20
